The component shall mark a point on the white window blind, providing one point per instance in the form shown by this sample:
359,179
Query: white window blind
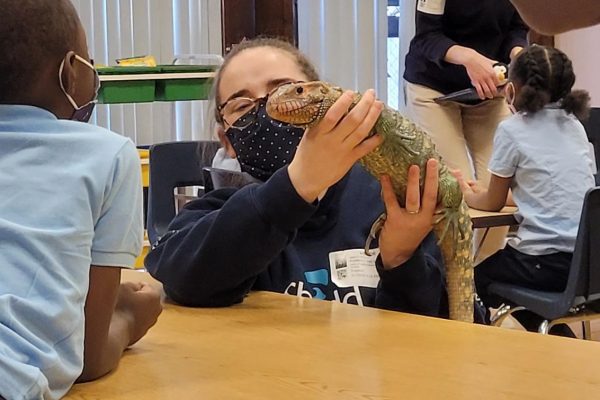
346,39
406,31
164,29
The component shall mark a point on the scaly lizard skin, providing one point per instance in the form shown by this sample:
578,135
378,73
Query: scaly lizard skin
404,144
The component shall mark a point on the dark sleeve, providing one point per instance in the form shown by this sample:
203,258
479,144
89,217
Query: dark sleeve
417,286
516,36
430,40
219,244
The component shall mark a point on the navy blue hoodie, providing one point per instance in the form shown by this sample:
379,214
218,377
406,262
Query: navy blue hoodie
491,27
266,237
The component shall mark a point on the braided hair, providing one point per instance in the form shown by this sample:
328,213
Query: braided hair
545,75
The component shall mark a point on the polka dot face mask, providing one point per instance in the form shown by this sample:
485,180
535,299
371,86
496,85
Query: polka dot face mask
265,145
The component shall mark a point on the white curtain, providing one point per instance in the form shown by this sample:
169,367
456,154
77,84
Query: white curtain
346,40
406,31
164,29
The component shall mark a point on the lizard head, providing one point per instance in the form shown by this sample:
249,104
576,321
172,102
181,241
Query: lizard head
302,104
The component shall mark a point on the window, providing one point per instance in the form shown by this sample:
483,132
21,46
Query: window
162,28
393,54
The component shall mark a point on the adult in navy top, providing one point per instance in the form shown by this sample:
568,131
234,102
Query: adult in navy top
456,45
302,231
492,28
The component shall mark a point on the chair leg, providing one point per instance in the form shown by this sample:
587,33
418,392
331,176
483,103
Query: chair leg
544,327
503,312
587,329
480,245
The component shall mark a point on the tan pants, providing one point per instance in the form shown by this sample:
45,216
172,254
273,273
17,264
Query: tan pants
463,135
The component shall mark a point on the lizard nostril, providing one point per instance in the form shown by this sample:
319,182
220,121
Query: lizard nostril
299,90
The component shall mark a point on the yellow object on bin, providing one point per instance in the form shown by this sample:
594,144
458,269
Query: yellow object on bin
145,162
143,61
139,261
145,165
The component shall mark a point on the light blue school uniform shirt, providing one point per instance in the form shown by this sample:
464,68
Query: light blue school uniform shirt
70,198
548,155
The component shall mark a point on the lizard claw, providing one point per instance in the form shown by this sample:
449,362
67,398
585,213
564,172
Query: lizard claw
375,229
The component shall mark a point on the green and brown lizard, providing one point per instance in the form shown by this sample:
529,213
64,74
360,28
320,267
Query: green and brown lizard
404,144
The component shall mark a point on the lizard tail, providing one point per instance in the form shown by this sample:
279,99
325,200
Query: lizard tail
455,236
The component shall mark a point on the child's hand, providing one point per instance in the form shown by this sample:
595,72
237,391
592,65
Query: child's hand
141,303
465,186
474,186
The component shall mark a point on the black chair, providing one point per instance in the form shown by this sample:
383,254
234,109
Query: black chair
581,297
592,128
217,178
173,165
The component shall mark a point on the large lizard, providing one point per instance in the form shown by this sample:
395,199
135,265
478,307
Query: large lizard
404,144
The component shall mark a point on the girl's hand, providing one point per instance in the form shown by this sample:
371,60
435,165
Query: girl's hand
466,187
405,228
329,150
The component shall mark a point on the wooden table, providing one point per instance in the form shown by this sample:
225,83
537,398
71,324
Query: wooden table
490,219
283,347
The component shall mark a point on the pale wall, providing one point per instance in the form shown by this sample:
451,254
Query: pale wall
583,48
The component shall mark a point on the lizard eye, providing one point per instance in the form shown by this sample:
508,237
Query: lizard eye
324,90
299,90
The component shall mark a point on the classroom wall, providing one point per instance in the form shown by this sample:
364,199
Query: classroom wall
582,48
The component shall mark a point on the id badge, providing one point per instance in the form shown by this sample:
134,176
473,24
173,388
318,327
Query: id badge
351,268
434,7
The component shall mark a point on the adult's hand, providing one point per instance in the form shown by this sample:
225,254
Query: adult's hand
405,228
328,150
479,68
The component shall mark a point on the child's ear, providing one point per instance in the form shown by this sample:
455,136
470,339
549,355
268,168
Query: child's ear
69,73
225,142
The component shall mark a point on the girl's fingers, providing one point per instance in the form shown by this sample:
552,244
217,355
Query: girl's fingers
335,113
413,191
364,129
367,146
389,197
431,186
357,116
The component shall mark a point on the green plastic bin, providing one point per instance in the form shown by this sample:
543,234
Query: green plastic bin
129,91
184,89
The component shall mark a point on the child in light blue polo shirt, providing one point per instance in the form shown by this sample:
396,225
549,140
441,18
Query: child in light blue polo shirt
542,154
70,212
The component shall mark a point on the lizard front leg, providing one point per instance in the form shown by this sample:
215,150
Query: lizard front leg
375,229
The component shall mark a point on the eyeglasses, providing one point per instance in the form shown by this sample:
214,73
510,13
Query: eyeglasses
233,110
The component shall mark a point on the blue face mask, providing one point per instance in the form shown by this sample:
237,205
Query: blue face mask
82,113
265,145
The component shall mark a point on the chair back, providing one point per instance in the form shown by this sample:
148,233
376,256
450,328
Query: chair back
172,165
584,276
592,128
